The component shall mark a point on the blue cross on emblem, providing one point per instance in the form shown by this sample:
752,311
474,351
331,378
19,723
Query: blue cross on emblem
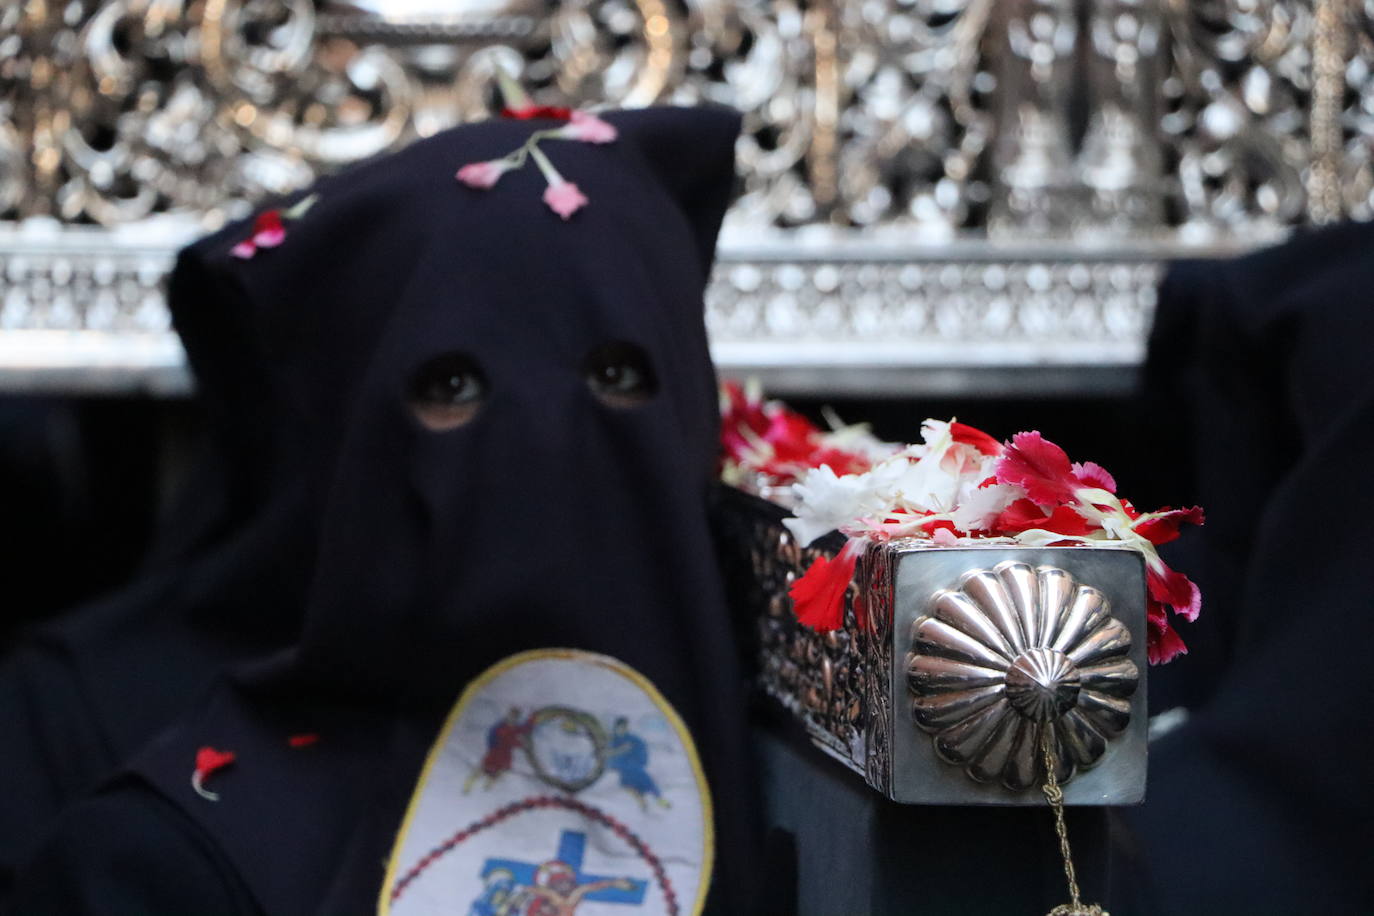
567,863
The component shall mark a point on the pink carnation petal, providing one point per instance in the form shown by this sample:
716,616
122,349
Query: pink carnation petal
1091,474
564,198
1040,467
268,231
269,238
482,175
244,250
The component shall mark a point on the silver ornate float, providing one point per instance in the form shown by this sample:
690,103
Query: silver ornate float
959,655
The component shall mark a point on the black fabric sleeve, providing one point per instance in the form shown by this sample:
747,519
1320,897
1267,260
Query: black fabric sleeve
127,852
50,751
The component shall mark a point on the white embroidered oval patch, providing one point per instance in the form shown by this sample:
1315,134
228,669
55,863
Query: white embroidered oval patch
562,784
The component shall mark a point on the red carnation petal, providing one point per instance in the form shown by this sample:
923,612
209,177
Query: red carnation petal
1023,515
792,436
1164,526
941,524
209,760
740,415
530,112
1092,474
1040,467
841,462
818,596
734,396
968,435
1176,590
268,221
1162,643
1019,516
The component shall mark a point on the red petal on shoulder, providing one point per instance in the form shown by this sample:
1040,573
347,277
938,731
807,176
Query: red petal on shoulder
969,435
1039,466
208,760
818,596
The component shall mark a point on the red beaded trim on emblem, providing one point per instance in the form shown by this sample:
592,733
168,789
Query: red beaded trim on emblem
529,804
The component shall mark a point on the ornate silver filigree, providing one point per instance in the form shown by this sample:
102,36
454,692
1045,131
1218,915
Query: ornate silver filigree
1010,652
927,118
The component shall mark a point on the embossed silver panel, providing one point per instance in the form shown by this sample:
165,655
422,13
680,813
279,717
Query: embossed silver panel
1011,649
919,776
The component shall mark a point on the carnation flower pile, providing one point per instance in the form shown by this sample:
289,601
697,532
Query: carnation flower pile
958,485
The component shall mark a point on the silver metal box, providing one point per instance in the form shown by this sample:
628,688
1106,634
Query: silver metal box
952,659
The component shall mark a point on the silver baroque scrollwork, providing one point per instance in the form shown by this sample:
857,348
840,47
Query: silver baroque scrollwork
823,679
875,630
929,118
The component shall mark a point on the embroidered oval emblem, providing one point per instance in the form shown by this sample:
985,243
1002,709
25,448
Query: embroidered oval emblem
562,784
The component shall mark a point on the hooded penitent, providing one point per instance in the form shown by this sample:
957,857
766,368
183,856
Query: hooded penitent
229,579
1261,800
516,679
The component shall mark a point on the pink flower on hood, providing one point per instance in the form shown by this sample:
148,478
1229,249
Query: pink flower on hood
483,175
564,198
588,128
268,232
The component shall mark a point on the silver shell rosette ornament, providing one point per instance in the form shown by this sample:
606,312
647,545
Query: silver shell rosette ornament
1012,651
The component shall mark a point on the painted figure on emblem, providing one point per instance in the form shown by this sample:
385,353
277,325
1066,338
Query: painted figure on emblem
628,755
557,892
502,741
516,362
499,894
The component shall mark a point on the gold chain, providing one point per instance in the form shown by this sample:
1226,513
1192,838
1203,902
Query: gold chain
1324,203
1055,796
